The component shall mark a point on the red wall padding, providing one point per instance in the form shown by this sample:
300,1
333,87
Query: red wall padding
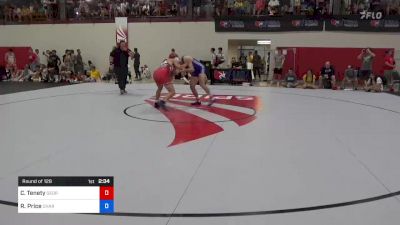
340,58
21,54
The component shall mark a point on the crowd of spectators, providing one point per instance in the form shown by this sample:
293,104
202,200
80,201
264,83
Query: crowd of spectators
360,78
28,11
49,67
388,7
106,9
272,7
42,10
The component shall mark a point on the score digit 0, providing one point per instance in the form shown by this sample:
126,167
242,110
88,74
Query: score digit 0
106,193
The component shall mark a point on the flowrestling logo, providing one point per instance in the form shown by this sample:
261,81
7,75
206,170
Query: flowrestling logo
188,126
367,15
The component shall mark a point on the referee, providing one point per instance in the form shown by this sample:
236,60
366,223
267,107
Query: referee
119,59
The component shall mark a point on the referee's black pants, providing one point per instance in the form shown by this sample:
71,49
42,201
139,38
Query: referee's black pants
122,75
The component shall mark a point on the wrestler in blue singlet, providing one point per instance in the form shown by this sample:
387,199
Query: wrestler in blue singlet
198,68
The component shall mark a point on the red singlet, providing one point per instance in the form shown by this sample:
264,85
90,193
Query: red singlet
162,75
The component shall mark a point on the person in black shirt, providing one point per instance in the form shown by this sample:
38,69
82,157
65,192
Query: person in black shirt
235,64
328,76
119,58
257,62
3,73
53,65
136,63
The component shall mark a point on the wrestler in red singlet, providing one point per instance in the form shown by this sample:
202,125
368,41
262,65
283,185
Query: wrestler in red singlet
163,76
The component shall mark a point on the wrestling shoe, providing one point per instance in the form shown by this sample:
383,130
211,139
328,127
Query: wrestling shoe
196,103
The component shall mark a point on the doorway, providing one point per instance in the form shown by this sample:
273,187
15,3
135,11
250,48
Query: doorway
238,50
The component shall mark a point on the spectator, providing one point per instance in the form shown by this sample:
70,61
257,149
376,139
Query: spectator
273,7
230,6
375,5
257,65
26,14
37,52
24,75
239,6
18,13
218,7
260,6
296,7
146,72
8,13
183,7
136,64
33,60
309,79
135,8
374,83
243,60
66,74
146,9
327,78
47,54
350,76
367,60
389,67
11,61
37,74
250,60
78,63
174,9
393,8
109,75
220,57
95,75
90,64
279,59
157,9
3,73
290,79
213,58
235,64
172,54
53,66
196,7
69,61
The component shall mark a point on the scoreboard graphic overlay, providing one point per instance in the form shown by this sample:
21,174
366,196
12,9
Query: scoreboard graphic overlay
66,195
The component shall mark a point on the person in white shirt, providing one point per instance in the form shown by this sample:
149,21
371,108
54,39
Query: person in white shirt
123,7
146,9
213,57
220,57
38,60
374,84
273,7
11,61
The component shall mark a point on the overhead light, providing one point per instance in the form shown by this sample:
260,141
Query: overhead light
264,42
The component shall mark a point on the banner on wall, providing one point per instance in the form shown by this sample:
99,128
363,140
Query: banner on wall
121,32
267,24
231,75
349,23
